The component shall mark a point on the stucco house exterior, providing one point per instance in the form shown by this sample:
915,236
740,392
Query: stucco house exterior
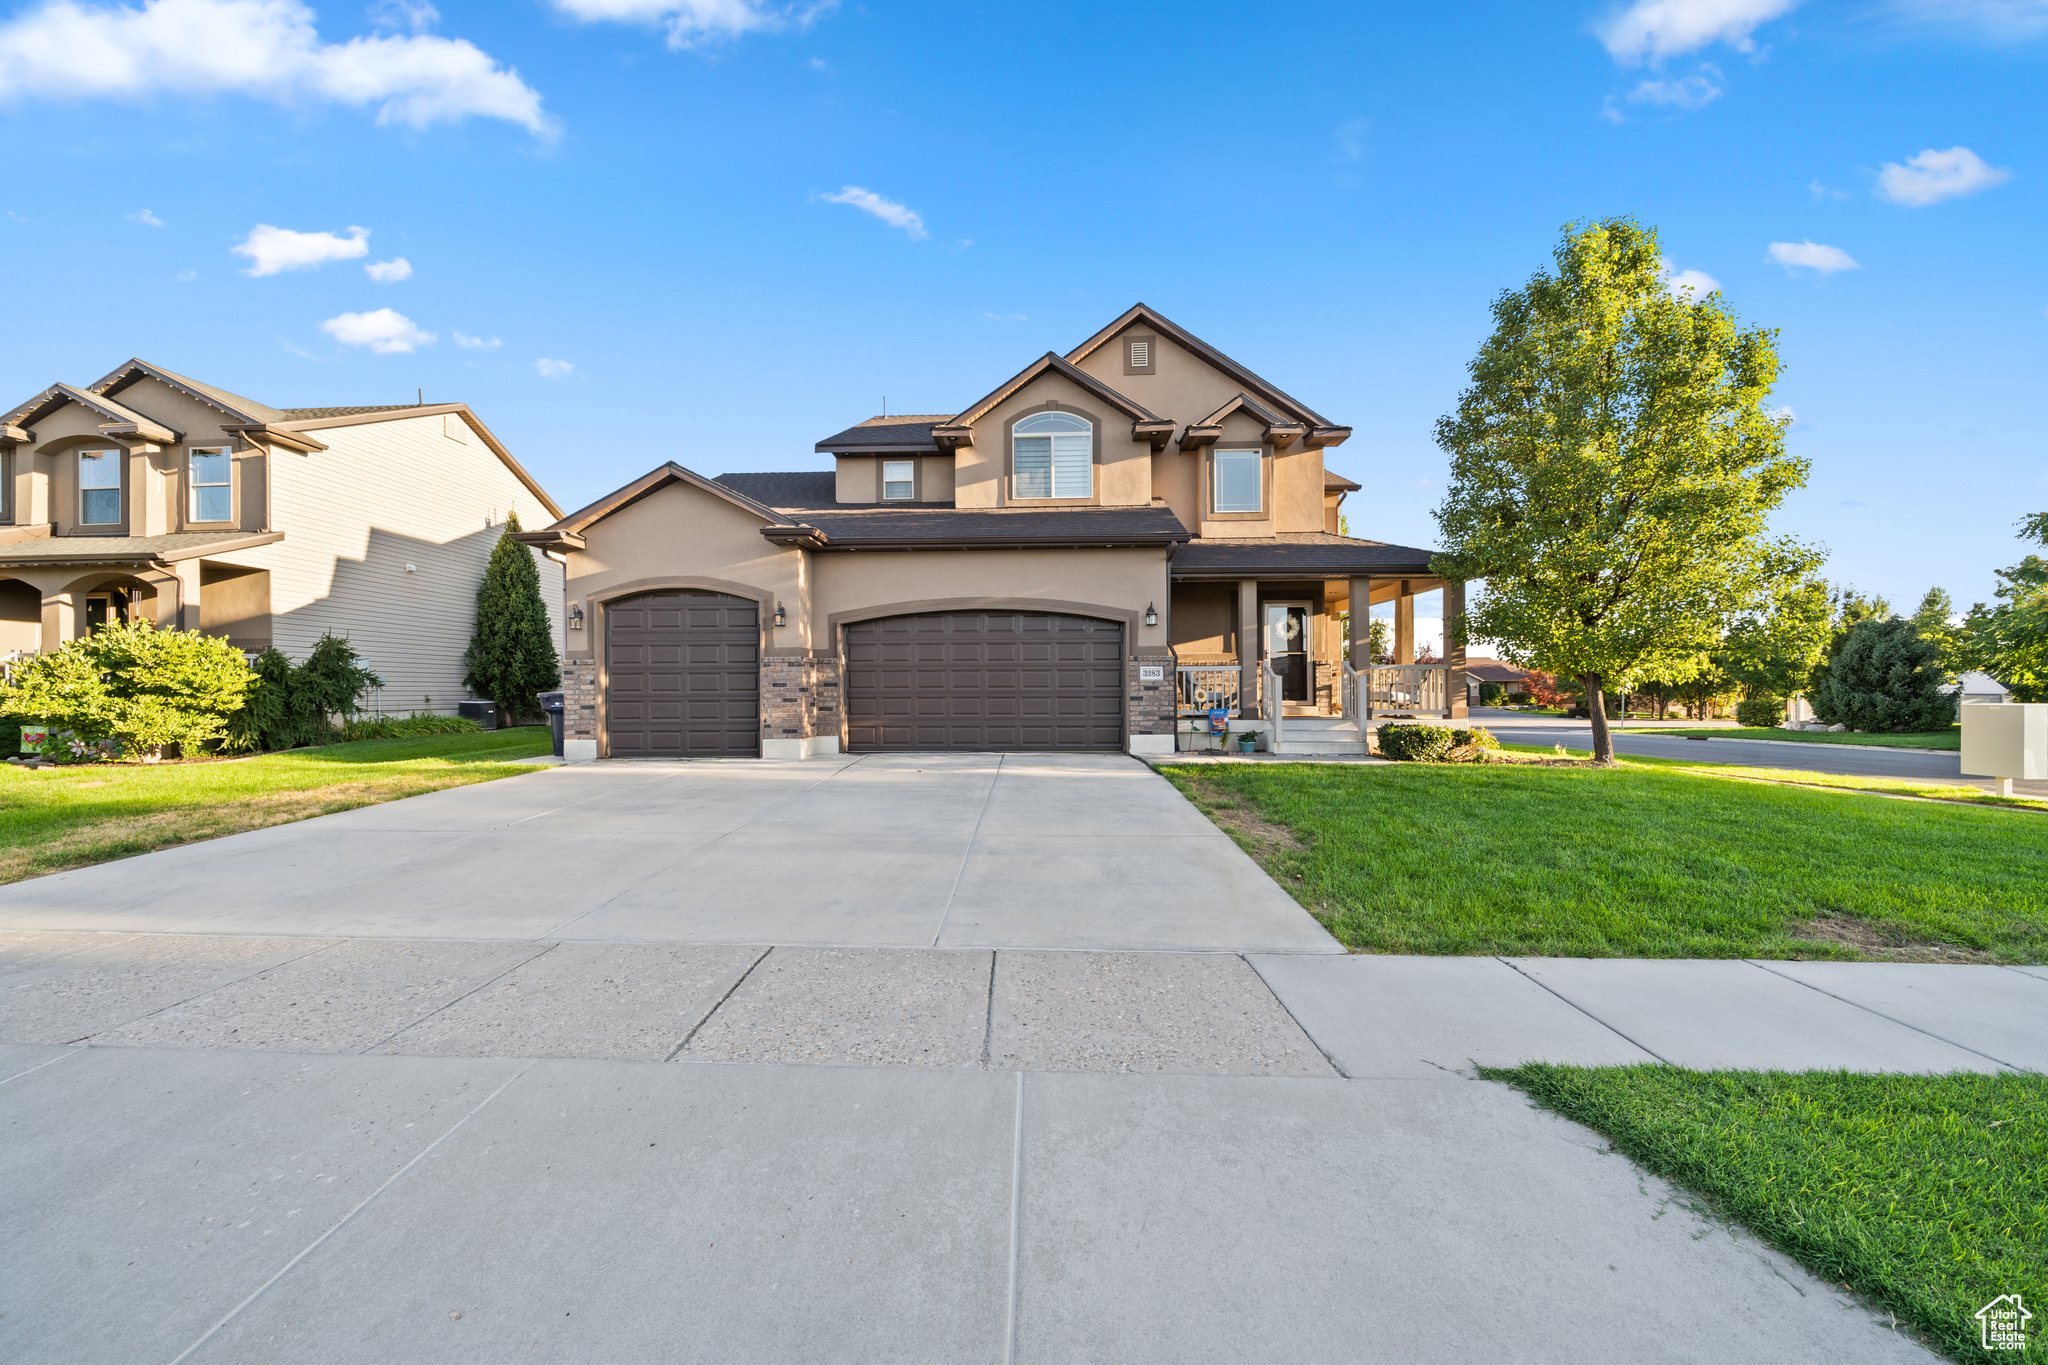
1095,554
148,494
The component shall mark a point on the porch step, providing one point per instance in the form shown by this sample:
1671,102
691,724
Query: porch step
1309,736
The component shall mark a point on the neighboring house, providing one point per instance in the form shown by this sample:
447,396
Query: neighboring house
1104,540
150,495
1979,688
1513,681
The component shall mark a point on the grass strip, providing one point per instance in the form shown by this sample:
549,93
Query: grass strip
1897,786
1928,1195
1949,740
57,818
1639,860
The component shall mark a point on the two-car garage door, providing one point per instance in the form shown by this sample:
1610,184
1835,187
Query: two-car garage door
984,680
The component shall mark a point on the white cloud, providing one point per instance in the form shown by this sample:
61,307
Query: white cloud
266,49
1934,176
146,218
692,21
383,331
1812,256
1006,317
1785,415
389,272
275,249
1651,30
552,369
470,343
2011,21
888,210
186,276
1821,191
1696,91
1689,285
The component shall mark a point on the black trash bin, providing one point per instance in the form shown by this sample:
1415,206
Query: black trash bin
484,713
551,702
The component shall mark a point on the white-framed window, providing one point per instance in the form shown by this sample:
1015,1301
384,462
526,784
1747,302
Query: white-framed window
1052,455
899,480
213,495
1240,481
99,487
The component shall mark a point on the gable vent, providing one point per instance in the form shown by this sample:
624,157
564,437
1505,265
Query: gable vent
1141,354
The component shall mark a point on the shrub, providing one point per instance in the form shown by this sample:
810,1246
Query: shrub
1884,677
1416,743
1492,693
139,687
293,704
405,727
1469,744
1762,711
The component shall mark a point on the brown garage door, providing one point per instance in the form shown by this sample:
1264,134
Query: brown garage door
985,680
683,675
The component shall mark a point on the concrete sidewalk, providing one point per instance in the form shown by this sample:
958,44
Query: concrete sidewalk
237,1206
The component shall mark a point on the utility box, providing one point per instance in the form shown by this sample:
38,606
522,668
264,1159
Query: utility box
2005,741
484,713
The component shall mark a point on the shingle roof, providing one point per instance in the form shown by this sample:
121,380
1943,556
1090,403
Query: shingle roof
787,491
311,414
894,431
1332,479
1493,670
1313,552
852,527
122,549
248,407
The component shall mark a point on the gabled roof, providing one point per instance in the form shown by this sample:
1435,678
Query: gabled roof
57,395
1139,313
569,530
1335,482
1145,424
236,406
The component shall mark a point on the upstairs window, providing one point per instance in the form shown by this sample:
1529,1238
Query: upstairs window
99,487
213,498
1053,456
1240,484
899,480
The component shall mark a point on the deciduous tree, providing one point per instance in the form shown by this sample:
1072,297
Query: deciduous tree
1612,466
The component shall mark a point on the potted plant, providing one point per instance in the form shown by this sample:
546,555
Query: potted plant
1247,741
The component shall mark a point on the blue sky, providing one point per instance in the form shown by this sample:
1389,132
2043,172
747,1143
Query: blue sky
730,228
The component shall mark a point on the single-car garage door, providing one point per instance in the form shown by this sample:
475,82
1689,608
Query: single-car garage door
683,675
980,680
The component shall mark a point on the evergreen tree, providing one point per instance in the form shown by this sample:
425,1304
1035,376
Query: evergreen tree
1612,466
1884,677
513,654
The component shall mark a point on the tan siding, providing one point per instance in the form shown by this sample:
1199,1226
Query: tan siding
382,496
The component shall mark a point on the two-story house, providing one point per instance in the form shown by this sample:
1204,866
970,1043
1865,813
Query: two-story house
150,495
1091,556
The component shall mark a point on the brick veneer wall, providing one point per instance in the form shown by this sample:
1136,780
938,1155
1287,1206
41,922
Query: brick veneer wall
822,711
783,696
1149,706
579,699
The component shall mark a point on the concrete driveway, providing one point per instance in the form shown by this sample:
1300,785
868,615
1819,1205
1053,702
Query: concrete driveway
947,851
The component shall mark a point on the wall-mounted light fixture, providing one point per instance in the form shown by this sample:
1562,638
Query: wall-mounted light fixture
1151,615
412,568
781,616
576,616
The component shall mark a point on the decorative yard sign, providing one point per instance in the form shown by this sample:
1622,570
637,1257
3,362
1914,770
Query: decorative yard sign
33,737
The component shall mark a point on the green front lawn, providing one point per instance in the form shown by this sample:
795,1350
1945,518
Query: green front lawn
1634,861
1950,739
1926,1194
54,818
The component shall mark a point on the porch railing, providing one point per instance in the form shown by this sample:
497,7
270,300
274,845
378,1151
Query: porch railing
1275,710
1200,687
1417,688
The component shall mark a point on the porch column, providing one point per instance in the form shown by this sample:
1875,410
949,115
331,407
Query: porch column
177,594
1361,623
61,619
1248,646
1454,650
1404,626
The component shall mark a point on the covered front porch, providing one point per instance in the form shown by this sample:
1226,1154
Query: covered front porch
1279,655
59,588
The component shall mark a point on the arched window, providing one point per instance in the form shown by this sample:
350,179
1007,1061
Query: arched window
1052,455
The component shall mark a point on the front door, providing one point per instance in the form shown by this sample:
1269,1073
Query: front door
1287,647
